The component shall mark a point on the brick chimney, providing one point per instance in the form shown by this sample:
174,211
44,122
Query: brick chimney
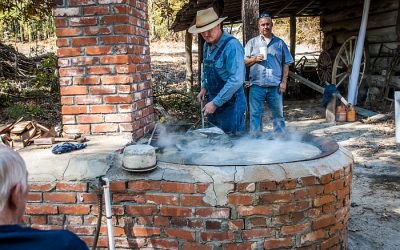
104,66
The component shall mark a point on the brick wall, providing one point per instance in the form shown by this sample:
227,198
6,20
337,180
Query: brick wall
104,66
310,212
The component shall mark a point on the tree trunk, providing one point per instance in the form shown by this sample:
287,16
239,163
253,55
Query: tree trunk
188,55
293,35
250,13
200,57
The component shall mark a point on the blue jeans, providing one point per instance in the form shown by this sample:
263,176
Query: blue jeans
274,101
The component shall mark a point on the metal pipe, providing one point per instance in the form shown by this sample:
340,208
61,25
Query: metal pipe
107,201
397,115
355,71
202,114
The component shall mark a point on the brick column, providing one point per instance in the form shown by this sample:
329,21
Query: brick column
104,66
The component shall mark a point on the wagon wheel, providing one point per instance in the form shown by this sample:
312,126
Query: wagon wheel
343,64
324,67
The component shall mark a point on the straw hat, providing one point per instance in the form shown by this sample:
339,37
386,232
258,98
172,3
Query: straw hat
205,20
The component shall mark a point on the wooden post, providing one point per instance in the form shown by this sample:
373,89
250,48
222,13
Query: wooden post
250,14
200,45
293,36
188,55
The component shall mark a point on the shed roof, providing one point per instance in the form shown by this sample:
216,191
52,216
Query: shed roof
232,9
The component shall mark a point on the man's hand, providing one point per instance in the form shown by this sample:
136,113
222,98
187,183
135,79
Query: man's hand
259,58
209,108
282,87
201,95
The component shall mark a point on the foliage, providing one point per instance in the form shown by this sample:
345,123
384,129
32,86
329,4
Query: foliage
160,18
45,73
23,110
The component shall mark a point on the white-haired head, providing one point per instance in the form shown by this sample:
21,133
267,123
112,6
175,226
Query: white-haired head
12,172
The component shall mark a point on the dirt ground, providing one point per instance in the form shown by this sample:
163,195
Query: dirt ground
375,203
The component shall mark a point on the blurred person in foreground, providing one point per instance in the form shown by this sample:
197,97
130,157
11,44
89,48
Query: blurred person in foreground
268,58
223,73
13,196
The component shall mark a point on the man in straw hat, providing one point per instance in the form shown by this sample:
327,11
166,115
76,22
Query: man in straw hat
223,73
13,195
268,58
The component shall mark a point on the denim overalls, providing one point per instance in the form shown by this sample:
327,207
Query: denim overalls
230,116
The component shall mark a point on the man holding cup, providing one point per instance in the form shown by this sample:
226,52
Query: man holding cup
268,58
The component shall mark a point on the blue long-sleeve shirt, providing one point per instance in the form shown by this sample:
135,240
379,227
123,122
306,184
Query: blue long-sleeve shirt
230,67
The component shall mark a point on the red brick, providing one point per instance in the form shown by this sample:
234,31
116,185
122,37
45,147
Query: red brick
324,199
40,209
82,21
147,221
82,230
88,198
72,219
73,90
313,236
254,210
256,233
176,211
308,192
254,222
73,129
81,2
88,100
118,231
239,246
323,222
180,234
118,99
40,219
162,199
144,185
99,70
145,231
65,186
74,209
47,227
288,184
330,242
97,30
34,197
117,186
141,210
213,212
67,52
98,50
62,42
61,32
162,244
294,207
59,197
95,10
235,225
66,12
82,119
114,19
56,219
104,128
116,59
121,197
161,221
115,79
176,187
326,178
308,181
89,80
67,100
216,236
246,187
195,246
73,71
116,39
240,199
193,200
124,89
294,229
45,187
267,186
118,118
125,69
60,22
213,225
333,186
278,243
277,197
102,109
87,60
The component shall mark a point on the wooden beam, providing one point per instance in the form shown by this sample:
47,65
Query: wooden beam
284,7
189,60
200,46
305,6
306,82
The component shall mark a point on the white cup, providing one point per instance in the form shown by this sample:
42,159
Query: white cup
264,52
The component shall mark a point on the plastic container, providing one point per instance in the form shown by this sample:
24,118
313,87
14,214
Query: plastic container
341,114
351,113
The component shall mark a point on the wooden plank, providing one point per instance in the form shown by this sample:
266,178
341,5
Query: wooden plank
44,141
306,82
293,35
365,112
